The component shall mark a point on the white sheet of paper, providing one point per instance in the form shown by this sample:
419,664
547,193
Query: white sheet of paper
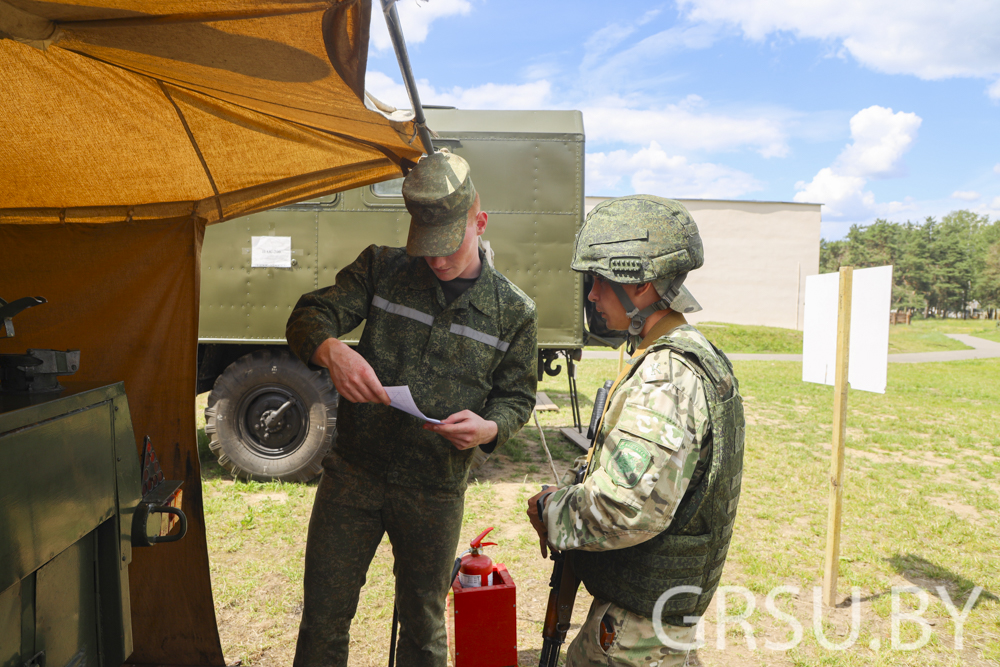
402,399
871,298
271,252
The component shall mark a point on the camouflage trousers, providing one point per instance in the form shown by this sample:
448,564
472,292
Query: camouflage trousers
353,510
635,643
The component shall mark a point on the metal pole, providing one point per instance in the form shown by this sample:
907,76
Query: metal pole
396,34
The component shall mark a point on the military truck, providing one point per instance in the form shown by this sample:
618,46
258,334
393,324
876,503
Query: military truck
271,417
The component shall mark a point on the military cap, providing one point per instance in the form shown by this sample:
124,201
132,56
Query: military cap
438,193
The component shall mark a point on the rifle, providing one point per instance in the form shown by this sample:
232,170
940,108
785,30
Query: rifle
564,584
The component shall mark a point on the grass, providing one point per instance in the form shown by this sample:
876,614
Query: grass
749,339
921,500
919,336
929,335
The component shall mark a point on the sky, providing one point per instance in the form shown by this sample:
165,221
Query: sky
874,108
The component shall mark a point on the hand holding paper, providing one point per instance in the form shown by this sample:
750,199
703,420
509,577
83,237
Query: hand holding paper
401,399
465,429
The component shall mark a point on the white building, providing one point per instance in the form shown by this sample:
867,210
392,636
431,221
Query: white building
757,257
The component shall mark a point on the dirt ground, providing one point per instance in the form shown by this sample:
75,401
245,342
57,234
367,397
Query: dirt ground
257,579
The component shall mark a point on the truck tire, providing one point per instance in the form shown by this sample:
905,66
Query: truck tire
255,386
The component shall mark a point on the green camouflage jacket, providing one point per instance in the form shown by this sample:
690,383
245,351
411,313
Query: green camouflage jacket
477,353
649,445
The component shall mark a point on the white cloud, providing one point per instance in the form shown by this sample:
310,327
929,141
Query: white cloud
388,91
994,90
601,71
881,137
415,18
532,95
926,38
996,168
995,204
683,127
651,170
965,195
842,195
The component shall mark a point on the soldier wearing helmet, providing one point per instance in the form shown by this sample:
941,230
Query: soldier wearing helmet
648,527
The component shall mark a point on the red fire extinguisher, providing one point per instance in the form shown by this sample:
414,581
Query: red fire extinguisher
477,568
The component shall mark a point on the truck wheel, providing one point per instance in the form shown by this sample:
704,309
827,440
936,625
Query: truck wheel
272,418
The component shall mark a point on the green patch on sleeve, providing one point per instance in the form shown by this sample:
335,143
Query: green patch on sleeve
628,463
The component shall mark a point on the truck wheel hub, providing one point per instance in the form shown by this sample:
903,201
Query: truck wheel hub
288,427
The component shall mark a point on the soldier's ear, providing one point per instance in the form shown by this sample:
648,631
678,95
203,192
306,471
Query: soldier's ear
642,289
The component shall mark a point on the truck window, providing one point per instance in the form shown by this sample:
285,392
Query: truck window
393,188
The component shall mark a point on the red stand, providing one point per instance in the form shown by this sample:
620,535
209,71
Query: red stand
483,627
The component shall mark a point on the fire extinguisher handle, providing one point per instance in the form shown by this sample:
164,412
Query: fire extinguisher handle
488,544
476,543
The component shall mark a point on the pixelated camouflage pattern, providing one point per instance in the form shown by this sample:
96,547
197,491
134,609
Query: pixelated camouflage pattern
648,448
638,239
446,372
354,509
635,643
438,193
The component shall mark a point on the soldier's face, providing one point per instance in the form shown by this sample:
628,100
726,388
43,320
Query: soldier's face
464,262
608,305
611,308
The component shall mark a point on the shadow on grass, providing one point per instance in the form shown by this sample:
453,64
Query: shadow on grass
917,570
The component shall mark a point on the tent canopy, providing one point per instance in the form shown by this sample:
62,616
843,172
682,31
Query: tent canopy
126,126
213,108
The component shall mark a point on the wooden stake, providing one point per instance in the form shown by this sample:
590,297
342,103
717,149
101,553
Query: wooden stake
832,565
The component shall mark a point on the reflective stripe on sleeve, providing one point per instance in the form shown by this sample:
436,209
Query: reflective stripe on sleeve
468,332
397,309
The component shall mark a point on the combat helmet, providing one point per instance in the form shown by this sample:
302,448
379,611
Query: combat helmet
641,239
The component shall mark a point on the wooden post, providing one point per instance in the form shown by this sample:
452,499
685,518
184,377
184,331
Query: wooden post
832,565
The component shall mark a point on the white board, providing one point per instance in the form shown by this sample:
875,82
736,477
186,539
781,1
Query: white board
871,298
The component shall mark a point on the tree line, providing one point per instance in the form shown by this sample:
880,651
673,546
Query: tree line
943,267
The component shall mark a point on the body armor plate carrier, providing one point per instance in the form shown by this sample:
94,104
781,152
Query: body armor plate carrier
692,550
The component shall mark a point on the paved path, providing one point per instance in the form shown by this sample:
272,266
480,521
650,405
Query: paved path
982,349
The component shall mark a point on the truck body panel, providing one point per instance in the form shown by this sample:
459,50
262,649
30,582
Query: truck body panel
528,169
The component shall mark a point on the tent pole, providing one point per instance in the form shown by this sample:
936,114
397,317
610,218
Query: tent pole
396,33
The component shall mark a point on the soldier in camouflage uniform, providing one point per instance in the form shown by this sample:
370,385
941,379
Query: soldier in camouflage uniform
439,319
648,528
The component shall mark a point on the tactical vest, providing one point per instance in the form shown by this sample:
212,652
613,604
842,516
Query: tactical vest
692,549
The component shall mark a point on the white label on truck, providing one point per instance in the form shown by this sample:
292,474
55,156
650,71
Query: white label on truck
271,252
473,580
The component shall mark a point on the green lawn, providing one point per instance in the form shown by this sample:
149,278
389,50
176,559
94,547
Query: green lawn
921,501
921,508
919,336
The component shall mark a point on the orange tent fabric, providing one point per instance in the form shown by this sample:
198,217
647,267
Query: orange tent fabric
212,108
127,126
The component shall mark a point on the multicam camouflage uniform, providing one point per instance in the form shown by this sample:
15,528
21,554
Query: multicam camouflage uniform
387,473
650,444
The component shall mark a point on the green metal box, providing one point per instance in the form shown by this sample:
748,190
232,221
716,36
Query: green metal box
69,482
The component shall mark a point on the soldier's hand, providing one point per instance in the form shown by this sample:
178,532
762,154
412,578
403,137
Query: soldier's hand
538,522
353,377
465,429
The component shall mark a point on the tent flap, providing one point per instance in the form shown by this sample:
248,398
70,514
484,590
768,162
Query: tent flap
234,103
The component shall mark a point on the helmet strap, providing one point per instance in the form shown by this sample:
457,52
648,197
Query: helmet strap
638,317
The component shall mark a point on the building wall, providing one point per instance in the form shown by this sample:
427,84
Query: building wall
757,257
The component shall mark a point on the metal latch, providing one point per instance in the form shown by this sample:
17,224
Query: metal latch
159,496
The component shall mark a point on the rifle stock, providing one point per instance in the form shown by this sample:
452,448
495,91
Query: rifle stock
559,611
